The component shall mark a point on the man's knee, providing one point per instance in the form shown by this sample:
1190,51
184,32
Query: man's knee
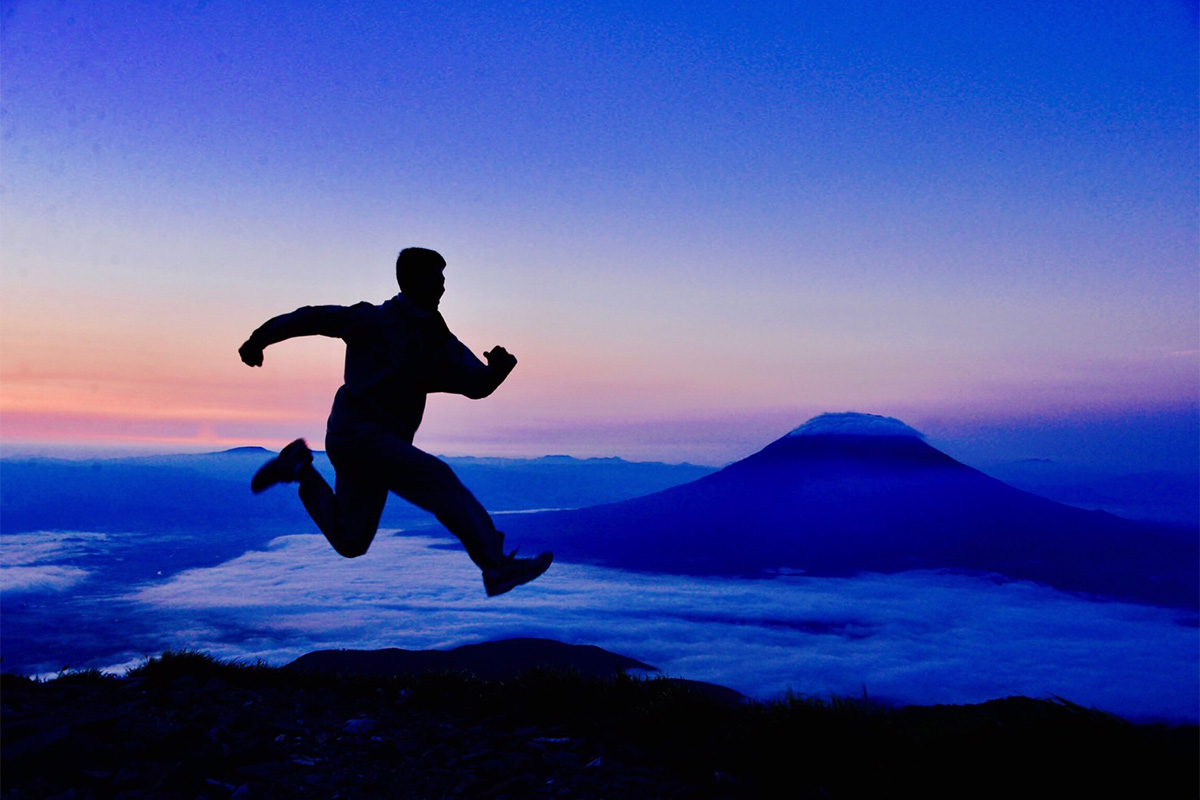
351,550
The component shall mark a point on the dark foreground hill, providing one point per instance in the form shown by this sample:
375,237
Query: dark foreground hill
849,493
488,660
187,726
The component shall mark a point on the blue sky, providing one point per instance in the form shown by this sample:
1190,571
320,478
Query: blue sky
695,226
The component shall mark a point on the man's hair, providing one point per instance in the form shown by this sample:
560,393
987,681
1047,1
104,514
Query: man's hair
413,260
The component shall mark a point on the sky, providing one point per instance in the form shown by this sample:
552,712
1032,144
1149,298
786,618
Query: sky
695,225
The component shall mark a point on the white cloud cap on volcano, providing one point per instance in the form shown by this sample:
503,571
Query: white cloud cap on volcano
850,423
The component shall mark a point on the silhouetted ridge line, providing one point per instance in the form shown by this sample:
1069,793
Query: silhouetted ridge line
497,660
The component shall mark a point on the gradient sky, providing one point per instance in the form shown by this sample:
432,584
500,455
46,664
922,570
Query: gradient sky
696,225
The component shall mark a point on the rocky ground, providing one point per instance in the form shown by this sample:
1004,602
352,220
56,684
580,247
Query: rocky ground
186,726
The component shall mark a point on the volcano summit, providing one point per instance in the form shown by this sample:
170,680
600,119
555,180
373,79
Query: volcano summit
848,493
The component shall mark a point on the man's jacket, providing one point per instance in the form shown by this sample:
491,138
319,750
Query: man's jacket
396,354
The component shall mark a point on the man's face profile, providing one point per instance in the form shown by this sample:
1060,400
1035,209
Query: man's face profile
426,286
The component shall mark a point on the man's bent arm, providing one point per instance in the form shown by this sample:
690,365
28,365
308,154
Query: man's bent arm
305,321
465,374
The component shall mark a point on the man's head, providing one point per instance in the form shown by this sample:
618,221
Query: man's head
419,273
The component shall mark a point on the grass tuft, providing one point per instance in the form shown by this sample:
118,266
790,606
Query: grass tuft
177,664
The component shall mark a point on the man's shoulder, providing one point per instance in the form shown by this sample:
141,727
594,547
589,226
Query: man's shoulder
400,309
366,311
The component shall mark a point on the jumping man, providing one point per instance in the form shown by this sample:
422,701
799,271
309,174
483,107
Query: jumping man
396,354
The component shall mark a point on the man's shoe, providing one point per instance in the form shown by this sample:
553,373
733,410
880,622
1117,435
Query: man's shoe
514,571
284,468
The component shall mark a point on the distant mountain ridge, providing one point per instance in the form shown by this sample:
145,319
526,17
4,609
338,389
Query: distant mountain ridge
850,493
212,490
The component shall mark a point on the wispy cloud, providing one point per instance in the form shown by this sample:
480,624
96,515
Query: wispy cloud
40,579
26,560
22,549
917,637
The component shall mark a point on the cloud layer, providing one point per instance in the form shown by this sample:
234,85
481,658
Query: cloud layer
917,637
24,560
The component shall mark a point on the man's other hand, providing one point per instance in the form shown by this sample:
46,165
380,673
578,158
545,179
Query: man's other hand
252,354
500,359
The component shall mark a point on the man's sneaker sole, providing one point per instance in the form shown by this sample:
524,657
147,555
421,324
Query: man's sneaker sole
518,571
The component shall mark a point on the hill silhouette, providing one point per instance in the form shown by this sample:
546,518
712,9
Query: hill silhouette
850,493
499,660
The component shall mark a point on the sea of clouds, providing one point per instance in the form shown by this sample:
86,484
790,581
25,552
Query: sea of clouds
27,560
916,637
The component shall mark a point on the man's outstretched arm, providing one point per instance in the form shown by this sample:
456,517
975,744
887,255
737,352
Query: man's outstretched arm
306,321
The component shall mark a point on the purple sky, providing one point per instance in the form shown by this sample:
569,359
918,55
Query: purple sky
695,227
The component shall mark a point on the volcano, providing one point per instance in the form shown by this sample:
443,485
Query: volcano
850,493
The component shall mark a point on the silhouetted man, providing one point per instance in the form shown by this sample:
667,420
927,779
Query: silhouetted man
396,354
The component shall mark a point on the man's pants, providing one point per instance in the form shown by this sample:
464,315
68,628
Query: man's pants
368,467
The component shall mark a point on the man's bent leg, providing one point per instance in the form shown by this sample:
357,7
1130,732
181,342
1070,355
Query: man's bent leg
349,517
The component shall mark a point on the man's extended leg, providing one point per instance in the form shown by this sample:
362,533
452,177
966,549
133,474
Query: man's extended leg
428,483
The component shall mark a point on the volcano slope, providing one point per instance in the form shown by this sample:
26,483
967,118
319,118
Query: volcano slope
850,493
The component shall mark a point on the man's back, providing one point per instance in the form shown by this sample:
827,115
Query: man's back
392,352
